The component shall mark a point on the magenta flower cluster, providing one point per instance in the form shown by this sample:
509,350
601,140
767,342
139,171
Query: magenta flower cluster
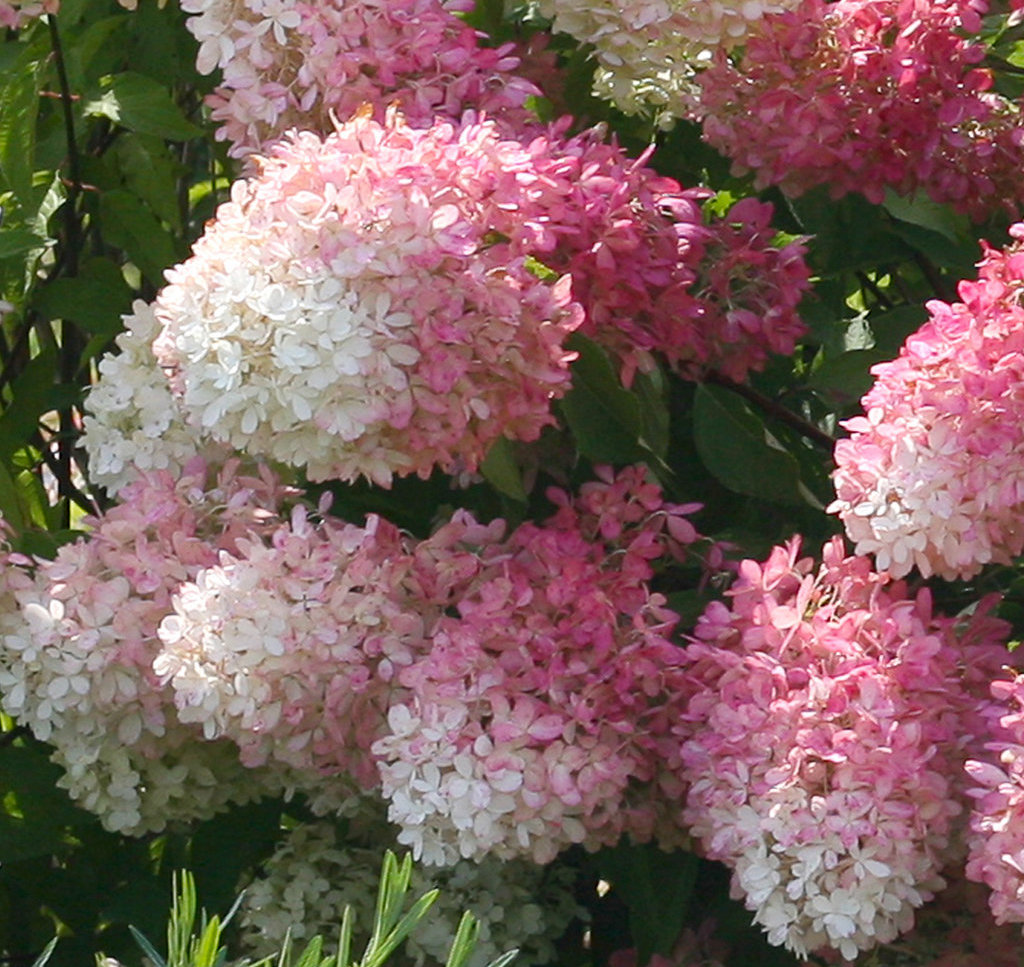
931,476
829,721
864,95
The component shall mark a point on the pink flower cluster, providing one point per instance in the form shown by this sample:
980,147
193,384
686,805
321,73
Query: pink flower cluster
861,95
828,725
384,300
931,476
16,13
654,276
76,659
513,693
296,64
542,713
359,309
996,839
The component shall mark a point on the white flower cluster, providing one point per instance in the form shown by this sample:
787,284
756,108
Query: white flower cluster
648,50
124,754
453,804
312,877
133,422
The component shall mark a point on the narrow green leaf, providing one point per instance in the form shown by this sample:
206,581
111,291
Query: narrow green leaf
141,104
345,937
401,930
505,959
42,959
738,449
464,941
205,954
146,947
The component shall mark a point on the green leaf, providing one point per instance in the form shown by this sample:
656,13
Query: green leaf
18,241
34,393
501,471
739,450
656,887
604,417
19,107
141,104
131,225
95,299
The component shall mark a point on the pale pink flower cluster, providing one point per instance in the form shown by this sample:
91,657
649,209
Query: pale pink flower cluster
289,645
510,695
829,721
16,13
541,715
133,423
864,95
80,638
357,310
288,64
305,886
390,299
931,476
647,50
996,839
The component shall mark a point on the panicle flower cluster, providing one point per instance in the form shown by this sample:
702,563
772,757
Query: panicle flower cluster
355,310
134,423
647,50
288,63
996,839
541,714
829,721
289,645
80,637
509,695
862,95
654,277
931,476
313,875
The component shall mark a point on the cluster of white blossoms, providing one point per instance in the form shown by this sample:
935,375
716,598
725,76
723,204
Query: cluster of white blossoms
133,421
648,50
314,874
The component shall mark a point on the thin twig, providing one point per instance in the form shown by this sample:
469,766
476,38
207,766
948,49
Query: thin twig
69,344
815,434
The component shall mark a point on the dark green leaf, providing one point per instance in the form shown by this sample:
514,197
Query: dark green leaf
141,104
19,107
95,299
131,226
604,417
656,887
35,392
18,241
739,450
